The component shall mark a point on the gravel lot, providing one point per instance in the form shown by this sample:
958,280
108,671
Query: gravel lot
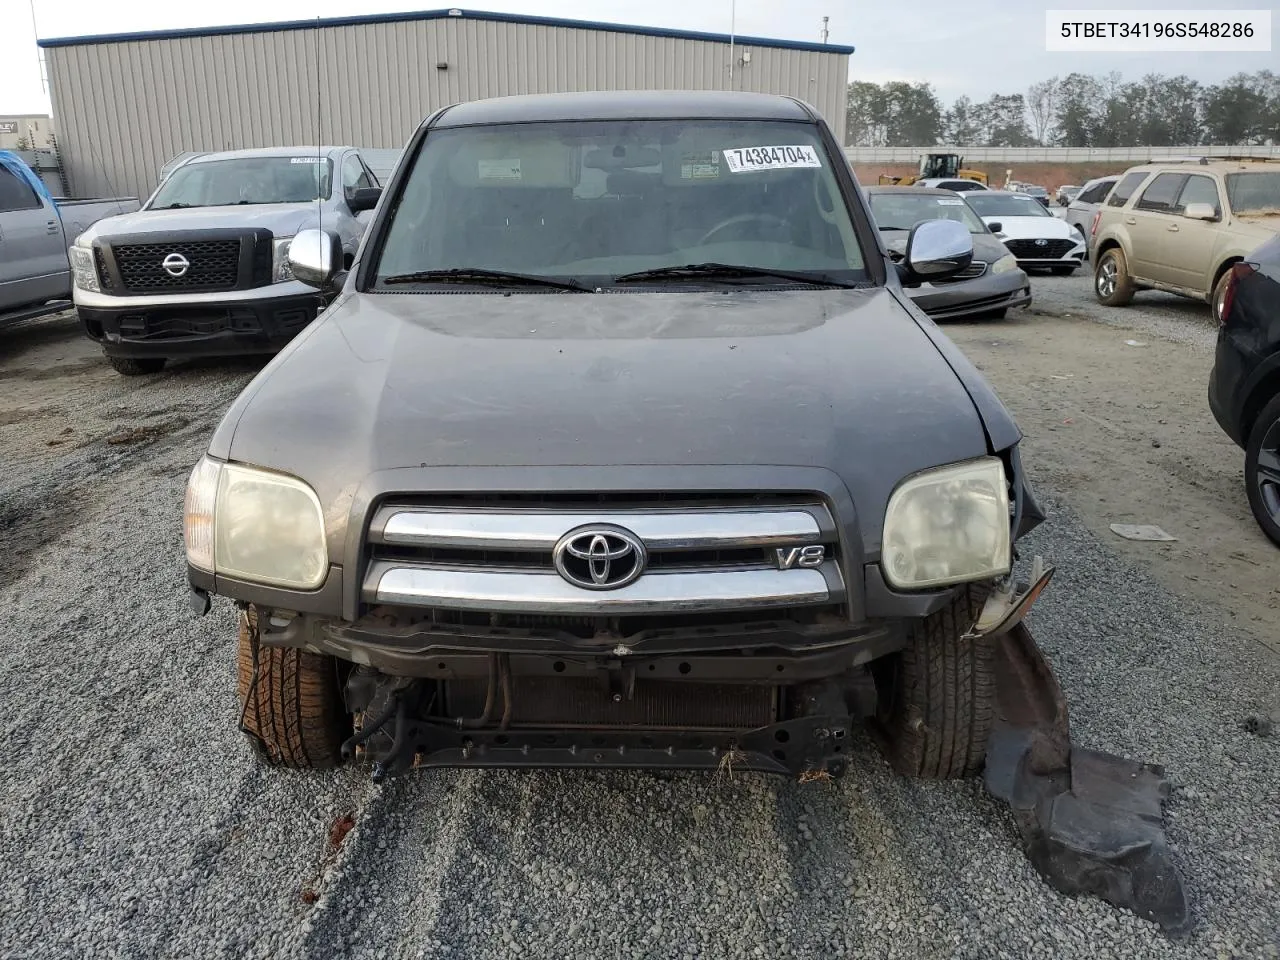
137,825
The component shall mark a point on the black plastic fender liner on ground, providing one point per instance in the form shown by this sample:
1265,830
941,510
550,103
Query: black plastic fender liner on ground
1091,822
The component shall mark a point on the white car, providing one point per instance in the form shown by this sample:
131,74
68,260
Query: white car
1032,234
958,184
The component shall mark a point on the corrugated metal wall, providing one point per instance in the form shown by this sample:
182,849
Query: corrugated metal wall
124,108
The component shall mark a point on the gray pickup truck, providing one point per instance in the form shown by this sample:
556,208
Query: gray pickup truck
35,231
621,444
202,269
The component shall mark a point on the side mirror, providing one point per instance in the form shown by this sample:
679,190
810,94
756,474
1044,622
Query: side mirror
995,227
1200,211
937,249
365,198
315,258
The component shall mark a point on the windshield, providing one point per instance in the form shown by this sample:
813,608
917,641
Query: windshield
220,183
601,199
996,205
1254,194
902,211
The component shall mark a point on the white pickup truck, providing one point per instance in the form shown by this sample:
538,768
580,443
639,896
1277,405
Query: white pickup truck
35,232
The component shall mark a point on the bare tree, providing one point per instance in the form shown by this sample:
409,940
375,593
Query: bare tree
1042,103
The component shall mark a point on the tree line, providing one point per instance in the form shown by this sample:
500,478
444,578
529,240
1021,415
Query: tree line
1078,110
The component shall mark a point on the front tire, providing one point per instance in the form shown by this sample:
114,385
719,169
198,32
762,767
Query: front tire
294,714
1111,282
1262,470
937,696
135,367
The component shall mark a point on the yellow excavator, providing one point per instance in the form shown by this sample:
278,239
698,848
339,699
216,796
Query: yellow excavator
949,166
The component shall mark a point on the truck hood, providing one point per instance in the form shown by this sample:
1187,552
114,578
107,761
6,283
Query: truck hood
847,380
282,219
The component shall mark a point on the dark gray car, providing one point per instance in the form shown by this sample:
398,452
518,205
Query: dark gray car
621,445
988,287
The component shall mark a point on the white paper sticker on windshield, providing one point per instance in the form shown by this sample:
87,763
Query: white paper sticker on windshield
504,169
700,166
749,159
306,159
950,202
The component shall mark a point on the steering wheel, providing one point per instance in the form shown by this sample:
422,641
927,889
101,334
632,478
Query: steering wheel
742,218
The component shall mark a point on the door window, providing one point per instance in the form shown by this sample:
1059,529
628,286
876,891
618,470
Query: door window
16,193
1124,189
1095,193
354,176
1160,195
1199,189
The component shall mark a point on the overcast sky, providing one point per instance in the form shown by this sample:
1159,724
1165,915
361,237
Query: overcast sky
977,49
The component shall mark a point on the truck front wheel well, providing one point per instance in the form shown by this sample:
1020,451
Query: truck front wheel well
1110,244
1223,268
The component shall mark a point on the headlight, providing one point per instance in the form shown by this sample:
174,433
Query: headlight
84,269
948,525
254,525
1005,264
280,270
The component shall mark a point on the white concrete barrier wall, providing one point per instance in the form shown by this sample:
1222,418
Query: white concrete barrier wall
1055,154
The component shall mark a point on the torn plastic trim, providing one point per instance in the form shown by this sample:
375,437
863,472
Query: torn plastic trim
1009,603
1091,822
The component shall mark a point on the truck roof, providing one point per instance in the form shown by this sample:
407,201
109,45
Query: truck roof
310,151
627,105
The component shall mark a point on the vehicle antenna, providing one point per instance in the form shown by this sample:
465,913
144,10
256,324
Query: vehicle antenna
319,166
733,23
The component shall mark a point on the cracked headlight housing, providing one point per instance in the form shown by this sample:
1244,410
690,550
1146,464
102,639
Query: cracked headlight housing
948,525
1005,264
280,269
83,269
254,525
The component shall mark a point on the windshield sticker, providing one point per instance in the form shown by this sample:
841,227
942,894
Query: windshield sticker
749,159
504,169
950,202
700,166
306,159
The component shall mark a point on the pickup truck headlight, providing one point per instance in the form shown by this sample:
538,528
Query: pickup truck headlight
83,269
280,270
948,525
1005,264
254,525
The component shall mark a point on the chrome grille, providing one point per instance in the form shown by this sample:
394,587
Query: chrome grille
974,270
497,556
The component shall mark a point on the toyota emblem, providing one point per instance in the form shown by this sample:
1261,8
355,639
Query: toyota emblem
600,557
176,265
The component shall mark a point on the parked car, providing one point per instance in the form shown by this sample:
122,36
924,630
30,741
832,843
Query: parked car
1179,226
988,287
651,464
35,230
1066,193
1040,194
202,269
1080,211
1031,233
958,186
1244,387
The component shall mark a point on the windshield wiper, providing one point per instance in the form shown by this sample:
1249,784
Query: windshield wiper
178,206
482,275
711,271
